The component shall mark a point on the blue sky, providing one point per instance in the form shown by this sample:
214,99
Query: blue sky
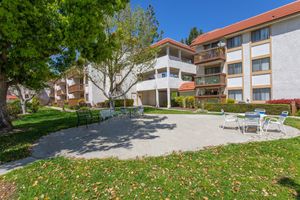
176,17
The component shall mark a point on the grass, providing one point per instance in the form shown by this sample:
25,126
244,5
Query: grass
30,128
266,170
258,170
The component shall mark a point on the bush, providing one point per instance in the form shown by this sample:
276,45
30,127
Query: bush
190,101
180,101
14,108
298,113
271,109
230,101
117,102
284,101
35,105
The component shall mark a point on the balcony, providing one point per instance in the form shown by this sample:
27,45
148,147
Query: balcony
60,92
76,88
61,82
73,102
210,55
211,80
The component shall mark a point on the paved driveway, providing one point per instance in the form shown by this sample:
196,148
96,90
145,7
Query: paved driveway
151,135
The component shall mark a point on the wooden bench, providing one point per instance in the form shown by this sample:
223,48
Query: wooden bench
86,116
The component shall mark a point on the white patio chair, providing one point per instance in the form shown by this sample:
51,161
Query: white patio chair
279,122
230,119
140,110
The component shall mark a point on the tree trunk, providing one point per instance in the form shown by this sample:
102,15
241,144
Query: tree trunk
111,103
23,106
5,123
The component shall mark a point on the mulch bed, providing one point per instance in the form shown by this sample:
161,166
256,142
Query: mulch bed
7,190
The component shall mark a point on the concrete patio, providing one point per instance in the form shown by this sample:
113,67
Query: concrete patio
151,135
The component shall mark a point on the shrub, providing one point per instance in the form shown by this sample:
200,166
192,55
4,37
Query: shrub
190,101
271,109
14,108
230,101
284,101
117,102
180,101
298,113
35,104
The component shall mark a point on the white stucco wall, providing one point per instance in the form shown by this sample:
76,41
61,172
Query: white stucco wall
235,82
261,79
260,50
286,59
234,55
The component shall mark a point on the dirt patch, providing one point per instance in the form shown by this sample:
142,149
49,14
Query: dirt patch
7,190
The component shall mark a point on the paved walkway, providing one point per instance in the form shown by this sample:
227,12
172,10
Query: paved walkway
151,135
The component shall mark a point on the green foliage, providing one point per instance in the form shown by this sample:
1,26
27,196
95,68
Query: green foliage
194,33
185,101
180,101
190,101
271,109
14,108
298,113
230,101
35,104
118,103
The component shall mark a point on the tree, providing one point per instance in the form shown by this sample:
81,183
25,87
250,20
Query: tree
24,95
41,37
194,33
133,30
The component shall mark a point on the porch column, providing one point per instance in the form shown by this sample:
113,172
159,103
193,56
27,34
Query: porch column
168,88
157,97
168,50
156,90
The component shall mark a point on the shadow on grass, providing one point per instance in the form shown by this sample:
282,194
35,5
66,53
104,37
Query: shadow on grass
290,183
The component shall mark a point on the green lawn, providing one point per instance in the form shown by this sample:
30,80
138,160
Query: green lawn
30,128
259,170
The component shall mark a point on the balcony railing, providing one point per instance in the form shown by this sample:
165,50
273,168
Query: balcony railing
73,102
211,80
60,92
210,55
76,88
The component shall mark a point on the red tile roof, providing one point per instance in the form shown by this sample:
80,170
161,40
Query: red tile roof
173,42
266,17
187,86
11,97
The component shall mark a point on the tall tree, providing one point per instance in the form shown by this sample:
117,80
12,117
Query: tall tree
35,32
133,30
194,33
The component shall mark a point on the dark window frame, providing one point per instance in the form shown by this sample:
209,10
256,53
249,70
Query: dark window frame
235,90
258,35
260,69
231,42
260,99
234,65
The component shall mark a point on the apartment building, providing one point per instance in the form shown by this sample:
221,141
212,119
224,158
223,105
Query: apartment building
173,67
254,60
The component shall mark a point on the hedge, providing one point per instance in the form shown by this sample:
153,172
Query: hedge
118,103
271,109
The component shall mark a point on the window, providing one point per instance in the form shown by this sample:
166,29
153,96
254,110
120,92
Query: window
87,97
261,64
236,68
262,94
235,94
261,34
211,45
234,42
212,70
187,78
